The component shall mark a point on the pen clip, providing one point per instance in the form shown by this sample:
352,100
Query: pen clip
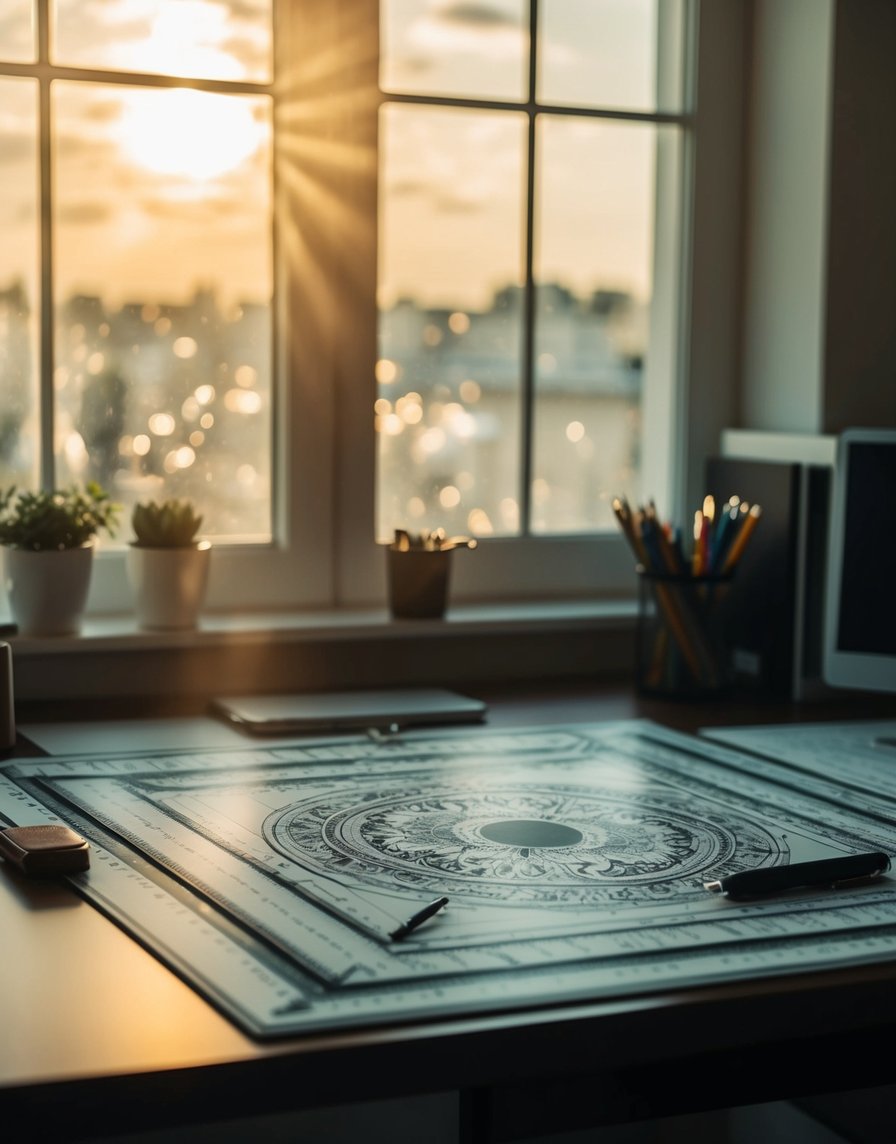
857,881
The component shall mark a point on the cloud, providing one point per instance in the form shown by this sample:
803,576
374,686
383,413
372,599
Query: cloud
440,199
14,148
478,15
191,211
85,213
407,187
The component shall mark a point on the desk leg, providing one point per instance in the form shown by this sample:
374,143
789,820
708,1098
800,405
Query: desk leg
474,1116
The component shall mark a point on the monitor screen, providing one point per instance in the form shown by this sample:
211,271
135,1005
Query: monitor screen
860,619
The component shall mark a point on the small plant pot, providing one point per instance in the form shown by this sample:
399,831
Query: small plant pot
418,583
47,590
169,584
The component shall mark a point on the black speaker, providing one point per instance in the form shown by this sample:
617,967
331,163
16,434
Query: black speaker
775,608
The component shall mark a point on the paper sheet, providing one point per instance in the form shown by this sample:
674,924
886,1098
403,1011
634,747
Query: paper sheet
573,859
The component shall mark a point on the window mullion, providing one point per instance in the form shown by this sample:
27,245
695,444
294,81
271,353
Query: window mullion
527,426
45,192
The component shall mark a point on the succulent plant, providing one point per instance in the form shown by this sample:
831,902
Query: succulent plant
55,519
171,524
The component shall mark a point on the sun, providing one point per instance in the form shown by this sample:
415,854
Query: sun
191,134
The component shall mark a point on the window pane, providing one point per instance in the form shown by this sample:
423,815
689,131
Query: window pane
450,320
205,39
163,297
16,30
19,290
594,273
610,53
447,47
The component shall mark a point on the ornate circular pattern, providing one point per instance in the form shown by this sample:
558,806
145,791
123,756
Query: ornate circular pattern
560,844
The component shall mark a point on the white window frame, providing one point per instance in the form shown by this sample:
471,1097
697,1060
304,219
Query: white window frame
560,566
325,553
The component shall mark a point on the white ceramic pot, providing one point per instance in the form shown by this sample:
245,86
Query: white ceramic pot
169,584
47,590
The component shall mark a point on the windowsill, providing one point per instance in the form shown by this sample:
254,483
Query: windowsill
314,650
104,633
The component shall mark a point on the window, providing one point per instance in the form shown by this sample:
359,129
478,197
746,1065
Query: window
531,163
230,255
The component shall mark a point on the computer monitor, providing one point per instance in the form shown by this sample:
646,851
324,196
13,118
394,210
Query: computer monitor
860,613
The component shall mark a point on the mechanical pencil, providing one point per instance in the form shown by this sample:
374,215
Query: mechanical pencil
822,872
418,919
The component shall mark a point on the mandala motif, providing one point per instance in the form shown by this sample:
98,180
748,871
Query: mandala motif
525,842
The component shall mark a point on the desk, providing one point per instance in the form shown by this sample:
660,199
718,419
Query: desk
98,1037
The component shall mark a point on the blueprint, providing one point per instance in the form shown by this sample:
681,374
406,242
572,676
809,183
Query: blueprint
859,755
573,859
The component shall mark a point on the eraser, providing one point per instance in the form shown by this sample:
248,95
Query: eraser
45,850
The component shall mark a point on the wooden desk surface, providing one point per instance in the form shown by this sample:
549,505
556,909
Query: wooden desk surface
96,1032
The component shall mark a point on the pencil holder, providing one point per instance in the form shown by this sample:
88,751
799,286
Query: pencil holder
683,650
418,582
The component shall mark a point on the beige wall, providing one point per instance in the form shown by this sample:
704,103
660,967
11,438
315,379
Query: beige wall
785,219
819,259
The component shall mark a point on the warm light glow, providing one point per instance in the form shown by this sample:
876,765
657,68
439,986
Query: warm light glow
575,431
242,401
245,376
194,134
431,441
510,511
386,371
458,323
142,445
187,37
409,409
470,391
162,424
185,347
449,497
75,452
479,522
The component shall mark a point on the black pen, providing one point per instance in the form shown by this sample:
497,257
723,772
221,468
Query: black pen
831,872
418,919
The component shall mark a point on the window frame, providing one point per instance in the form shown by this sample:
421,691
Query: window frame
325,553
561,565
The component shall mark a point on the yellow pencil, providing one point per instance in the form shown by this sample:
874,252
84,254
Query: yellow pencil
740,541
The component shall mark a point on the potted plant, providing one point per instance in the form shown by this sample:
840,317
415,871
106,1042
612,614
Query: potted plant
167,564
49,538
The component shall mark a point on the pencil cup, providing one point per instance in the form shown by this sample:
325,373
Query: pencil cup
418,582
682,647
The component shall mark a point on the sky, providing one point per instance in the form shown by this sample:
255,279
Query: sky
158,191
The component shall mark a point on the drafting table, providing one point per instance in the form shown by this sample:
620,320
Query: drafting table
101,1037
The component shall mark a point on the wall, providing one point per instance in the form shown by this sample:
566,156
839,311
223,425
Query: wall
860,334
819,313
787,199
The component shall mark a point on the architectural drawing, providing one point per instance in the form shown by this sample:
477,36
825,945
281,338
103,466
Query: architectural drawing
574,861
